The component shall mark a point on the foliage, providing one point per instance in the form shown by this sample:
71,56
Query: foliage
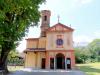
14,58
16,16
94,47
89,53
12,54
82,54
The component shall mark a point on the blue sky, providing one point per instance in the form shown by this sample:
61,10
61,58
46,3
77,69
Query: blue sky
83,15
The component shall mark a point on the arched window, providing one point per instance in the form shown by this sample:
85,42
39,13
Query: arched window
45,18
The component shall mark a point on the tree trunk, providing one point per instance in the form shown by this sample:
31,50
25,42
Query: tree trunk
6,47
3,61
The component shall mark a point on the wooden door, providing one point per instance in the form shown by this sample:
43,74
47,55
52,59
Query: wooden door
43,63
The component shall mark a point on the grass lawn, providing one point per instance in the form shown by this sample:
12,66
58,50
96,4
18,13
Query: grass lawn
90,69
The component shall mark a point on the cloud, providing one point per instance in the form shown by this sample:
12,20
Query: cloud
97,34
63,7
82,1
33,32
82,38
86,1
22,46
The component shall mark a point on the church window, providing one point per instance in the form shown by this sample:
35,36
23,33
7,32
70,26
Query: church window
45,18
59,42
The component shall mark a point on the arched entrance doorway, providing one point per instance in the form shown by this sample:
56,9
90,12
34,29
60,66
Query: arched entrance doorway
60,61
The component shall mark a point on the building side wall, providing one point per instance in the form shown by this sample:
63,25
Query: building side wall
32,43
40,55
42,42
30,59
38,60
34,59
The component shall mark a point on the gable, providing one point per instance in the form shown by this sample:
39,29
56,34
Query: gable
60,27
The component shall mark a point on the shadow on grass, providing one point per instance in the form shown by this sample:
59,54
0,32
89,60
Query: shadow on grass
89,69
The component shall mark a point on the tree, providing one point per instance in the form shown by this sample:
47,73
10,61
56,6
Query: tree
16,16
90,53
82,54
15,58
12,54
94,48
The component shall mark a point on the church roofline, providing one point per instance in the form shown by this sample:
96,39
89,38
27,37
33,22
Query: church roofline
32,38
34,49
71,29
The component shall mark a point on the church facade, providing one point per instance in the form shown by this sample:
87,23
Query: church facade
53,49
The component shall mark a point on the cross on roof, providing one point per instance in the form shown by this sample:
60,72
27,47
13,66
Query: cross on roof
58,18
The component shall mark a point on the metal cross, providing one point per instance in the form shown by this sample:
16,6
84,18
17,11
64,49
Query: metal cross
58,18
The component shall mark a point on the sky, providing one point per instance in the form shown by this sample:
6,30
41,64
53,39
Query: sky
82,15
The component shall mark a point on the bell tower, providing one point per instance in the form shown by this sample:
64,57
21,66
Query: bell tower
45,15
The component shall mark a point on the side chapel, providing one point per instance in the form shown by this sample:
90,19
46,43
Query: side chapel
53,49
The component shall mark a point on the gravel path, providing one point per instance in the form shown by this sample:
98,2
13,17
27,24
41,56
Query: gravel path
47,72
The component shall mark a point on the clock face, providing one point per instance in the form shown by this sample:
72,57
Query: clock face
59,42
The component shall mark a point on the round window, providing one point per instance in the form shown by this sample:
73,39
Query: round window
59,42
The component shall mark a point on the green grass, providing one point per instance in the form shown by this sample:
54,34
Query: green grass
90,69
15,68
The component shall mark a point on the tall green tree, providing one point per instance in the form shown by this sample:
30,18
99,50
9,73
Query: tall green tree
16,16
82,54
94,48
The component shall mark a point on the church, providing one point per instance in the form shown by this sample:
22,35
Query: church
53,49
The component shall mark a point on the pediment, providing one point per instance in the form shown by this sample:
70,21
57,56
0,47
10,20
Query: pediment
60,27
